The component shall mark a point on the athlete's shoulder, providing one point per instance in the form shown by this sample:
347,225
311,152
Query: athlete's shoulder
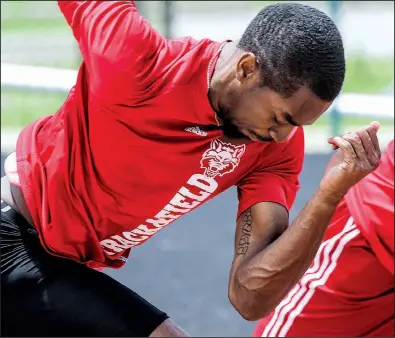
186,58
293,149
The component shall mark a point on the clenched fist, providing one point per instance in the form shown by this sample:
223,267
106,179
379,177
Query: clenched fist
358,155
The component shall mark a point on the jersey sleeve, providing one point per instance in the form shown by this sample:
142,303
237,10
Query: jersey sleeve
371,204
118,46
278,178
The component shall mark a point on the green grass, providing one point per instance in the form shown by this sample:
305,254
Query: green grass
368,75
33,25
19,107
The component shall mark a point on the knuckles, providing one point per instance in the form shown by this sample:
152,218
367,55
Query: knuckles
361,155
352,137
348,146
361,167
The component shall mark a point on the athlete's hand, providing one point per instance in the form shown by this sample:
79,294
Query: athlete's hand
358,155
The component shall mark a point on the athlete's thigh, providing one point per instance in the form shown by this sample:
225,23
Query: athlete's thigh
88,302
82,303
47,296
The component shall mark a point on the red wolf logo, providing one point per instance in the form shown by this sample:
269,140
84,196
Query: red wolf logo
221,158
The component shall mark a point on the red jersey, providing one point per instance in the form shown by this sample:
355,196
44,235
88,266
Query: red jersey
136,144
349,288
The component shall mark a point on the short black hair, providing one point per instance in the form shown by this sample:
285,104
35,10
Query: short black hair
296,45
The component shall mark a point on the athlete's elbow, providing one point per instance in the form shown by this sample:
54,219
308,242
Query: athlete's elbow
250,305
248,308
252,294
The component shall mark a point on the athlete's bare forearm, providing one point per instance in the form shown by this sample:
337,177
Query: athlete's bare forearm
270,268
269,275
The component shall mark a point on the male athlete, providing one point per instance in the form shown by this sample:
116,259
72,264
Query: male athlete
152,129
348,291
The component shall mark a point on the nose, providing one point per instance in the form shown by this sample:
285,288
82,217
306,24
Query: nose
281,133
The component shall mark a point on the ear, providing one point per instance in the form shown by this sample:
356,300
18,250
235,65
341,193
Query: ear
247,68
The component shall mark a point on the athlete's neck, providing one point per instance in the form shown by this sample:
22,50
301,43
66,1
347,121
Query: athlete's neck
223,74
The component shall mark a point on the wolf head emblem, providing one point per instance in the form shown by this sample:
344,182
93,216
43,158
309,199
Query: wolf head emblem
221,158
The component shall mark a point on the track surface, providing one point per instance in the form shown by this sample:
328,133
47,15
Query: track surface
184,269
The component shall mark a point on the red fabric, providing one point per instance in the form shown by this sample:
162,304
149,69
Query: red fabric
349,289
279,173
371,203
129,151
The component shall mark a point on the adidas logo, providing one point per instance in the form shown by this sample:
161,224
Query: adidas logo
196,130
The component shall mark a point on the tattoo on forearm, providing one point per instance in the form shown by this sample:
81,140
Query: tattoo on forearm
244,241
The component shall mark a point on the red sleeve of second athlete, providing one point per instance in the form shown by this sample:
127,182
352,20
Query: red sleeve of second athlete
278,181
119,47
371,203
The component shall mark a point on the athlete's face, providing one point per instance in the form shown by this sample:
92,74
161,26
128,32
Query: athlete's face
260,114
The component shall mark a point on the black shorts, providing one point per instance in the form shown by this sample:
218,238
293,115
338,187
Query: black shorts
42,295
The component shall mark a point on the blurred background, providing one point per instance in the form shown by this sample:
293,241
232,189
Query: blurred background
184,270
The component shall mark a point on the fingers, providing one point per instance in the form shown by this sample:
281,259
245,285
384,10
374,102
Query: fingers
367,144
362,145
375,125
368,136
370,142
375,142
356,142
348,150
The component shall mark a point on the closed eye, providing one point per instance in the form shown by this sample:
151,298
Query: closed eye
288,120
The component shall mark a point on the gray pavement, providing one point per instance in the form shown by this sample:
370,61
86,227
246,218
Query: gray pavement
184,269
